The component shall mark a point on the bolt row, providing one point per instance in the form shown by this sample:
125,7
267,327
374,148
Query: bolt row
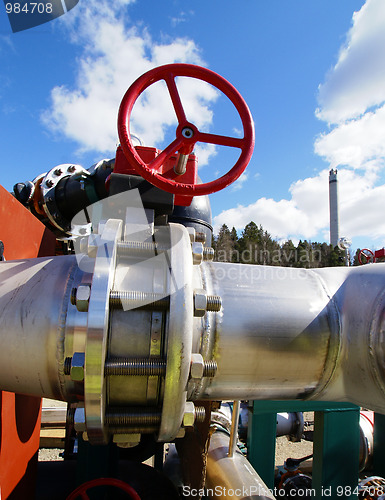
139,420
137,367
125,299
148,367
58,171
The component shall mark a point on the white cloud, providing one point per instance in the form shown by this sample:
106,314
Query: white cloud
353,95
357,143
113,56
305,215
205,152
357,81
238,184
352,104
182,17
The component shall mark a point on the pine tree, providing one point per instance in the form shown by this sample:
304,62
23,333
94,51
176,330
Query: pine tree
224,245
256,246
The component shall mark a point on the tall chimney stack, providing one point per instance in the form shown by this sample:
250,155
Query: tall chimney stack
333,207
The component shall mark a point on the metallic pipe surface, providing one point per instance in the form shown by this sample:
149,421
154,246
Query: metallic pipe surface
34,298
290,425
232,478
286,333
282,333
277,335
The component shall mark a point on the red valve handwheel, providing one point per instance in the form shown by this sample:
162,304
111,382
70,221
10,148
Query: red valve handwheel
187,134
368,254
80,491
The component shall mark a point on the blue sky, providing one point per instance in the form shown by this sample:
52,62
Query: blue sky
312,73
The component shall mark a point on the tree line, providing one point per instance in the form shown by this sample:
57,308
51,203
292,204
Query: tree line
256,246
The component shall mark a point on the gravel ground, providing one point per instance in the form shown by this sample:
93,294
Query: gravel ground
286,449
50,455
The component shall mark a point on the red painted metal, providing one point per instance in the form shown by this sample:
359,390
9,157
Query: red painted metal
379,254
154,170
80,491
23,237
368,254
147,154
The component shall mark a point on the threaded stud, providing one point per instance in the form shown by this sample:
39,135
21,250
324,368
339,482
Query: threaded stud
200,237
134,418
210,368
208,253
138,300
135,367
130,248
200,414
67,366
214,303
73,296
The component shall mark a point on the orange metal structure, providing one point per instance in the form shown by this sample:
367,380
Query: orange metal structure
24,236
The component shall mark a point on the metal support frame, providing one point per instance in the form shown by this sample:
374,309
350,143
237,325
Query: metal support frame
379,445
336,444
20,414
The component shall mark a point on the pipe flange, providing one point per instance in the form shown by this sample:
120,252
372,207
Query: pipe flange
48,187
97,332
179,341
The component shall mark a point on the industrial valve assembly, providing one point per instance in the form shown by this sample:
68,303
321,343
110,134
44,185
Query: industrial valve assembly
140,331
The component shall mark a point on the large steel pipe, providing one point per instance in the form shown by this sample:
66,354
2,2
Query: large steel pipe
34,298
287,333
282,333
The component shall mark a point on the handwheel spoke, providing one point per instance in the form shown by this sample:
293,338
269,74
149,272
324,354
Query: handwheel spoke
84,496
166,153
175,98
221,140
368,254
187,133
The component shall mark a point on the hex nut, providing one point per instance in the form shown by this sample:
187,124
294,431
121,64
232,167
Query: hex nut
189,414
200,303
197,366
191,233
83,297
80,419
77,366
197,253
